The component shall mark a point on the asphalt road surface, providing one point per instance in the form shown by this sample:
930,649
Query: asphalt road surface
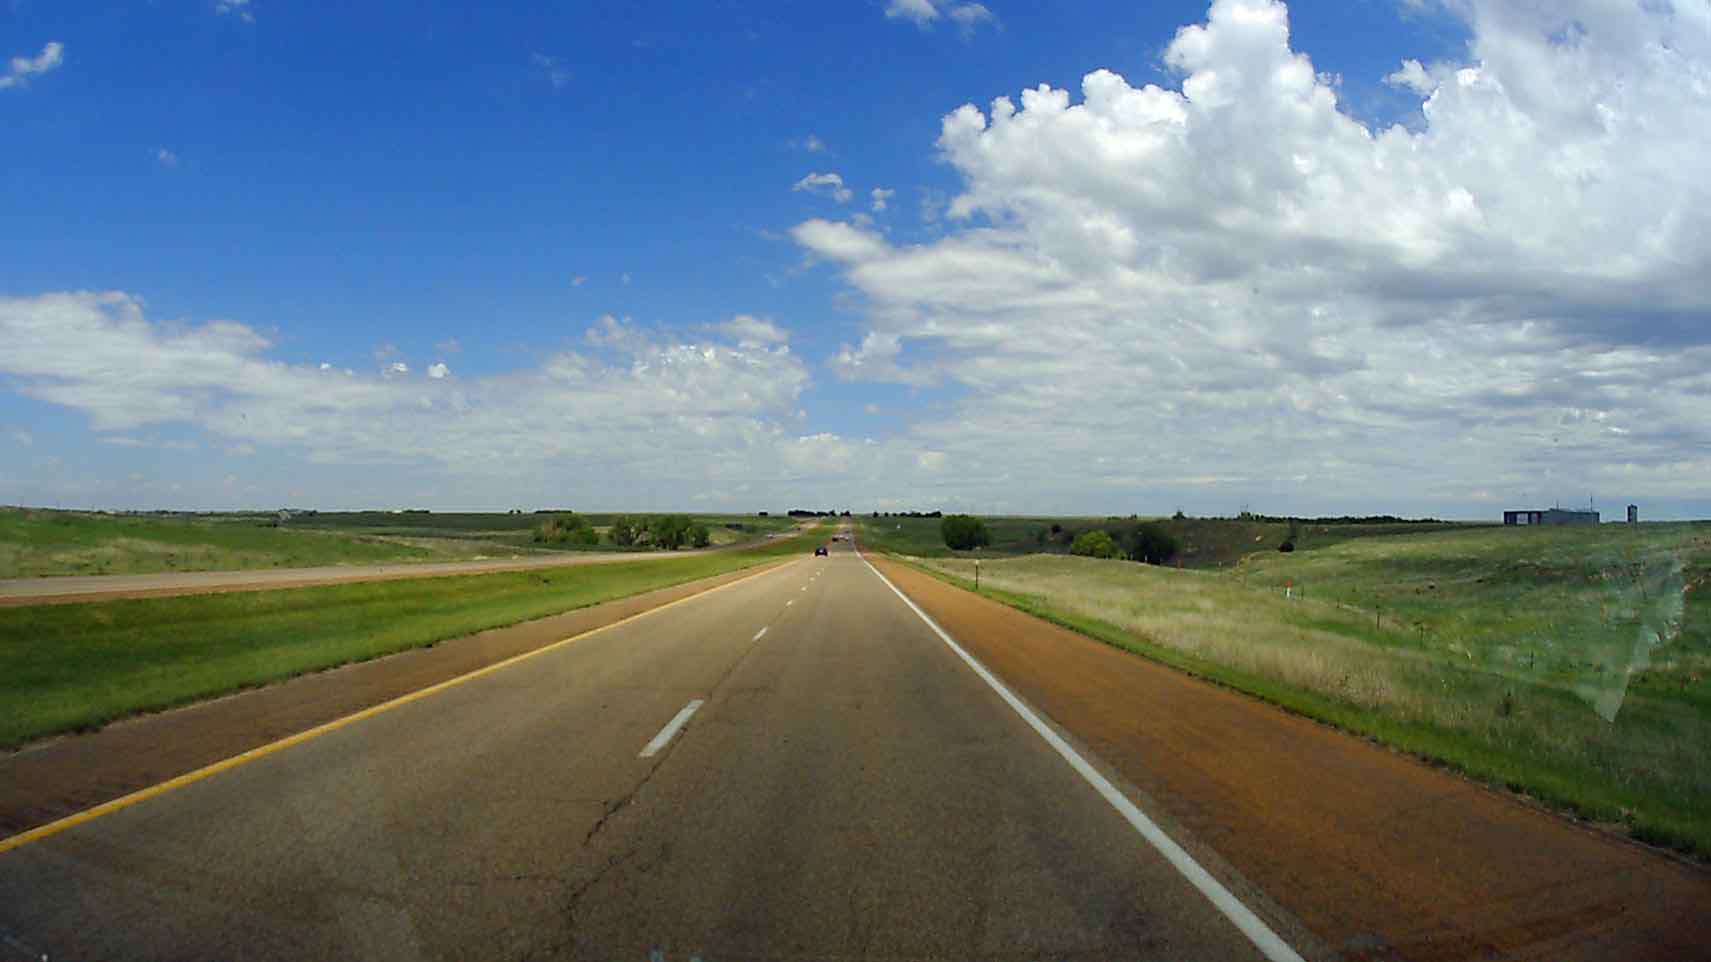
795,766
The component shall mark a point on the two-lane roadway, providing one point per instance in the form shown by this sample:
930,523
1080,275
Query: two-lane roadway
795,766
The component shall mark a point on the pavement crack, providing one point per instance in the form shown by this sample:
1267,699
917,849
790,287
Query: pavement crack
513,877
619,804
573,901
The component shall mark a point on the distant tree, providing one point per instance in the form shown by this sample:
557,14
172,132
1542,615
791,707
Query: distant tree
1178,516
624,530
1152,544
567,529
1057,528
670,531
1094,544
698,536
964,532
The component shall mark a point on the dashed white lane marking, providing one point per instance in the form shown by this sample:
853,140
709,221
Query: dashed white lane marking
759,633
671,728
790,602
1268,942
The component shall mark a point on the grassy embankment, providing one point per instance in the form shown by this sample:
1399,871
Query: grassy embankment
37,542
1565,663
70,667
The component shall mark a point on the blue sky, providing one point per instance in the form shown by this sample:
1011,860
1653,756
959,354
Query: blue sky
617,191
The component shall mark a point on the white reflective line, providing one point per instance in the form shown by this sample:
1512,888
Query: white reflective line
670,729
1260,934
759,633
790,602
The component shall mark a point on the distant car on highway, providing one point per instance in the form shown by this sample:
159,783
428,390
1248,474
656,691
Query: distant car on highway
819,550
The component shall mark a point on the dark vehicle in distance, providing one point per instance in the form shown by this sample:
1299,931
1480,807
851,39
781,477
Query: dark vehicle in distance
819,550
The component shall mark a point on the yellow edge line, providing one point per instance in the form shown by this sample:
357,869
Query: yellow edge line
242,758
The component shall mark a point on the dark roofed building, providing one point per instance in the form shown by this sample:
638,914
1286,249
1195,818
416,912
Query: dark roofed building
1550,516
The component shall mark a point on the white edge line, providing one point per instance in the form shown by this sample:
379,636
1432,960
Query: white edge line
760,633
1260,934
671,728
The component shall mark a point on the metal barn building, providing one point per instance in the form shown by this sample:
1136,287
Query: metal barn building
1550,516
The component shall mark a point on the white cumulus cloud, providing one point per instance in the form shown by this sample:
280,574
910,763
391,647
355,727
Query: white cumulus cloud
824,185
1232,286
923,13
634,411
748,330
839,241
242,9
20,69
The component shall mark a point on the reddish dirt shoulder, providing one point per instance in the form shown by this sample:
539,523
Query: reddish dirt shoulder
51,780
1381,856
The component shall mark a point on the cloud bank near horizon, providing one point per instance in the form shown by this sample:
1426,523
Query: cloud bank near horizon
1232,283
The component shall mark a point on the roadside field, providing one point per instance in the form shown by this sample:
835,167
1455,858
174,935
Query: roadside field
37,542
1205,542
1566,663
70,667
518,526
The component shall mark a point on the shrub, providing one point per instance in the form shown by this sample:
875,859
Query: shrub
1153,545
570,528
698,535
963,532
670,531
624,530
1094,544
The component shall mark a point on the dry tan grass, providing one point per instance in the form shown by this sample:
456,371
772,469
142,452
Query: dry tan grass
1659,749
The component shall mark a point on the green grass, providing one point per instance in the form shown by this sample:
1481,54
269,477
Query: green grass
920,537
1440,672
71,667
1205,542
37,542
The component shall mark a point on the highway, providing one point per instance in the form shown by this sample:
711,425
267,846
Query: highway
793,766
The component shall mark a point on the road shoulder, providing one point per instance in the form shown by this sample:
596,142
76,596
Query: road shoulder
1381,856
